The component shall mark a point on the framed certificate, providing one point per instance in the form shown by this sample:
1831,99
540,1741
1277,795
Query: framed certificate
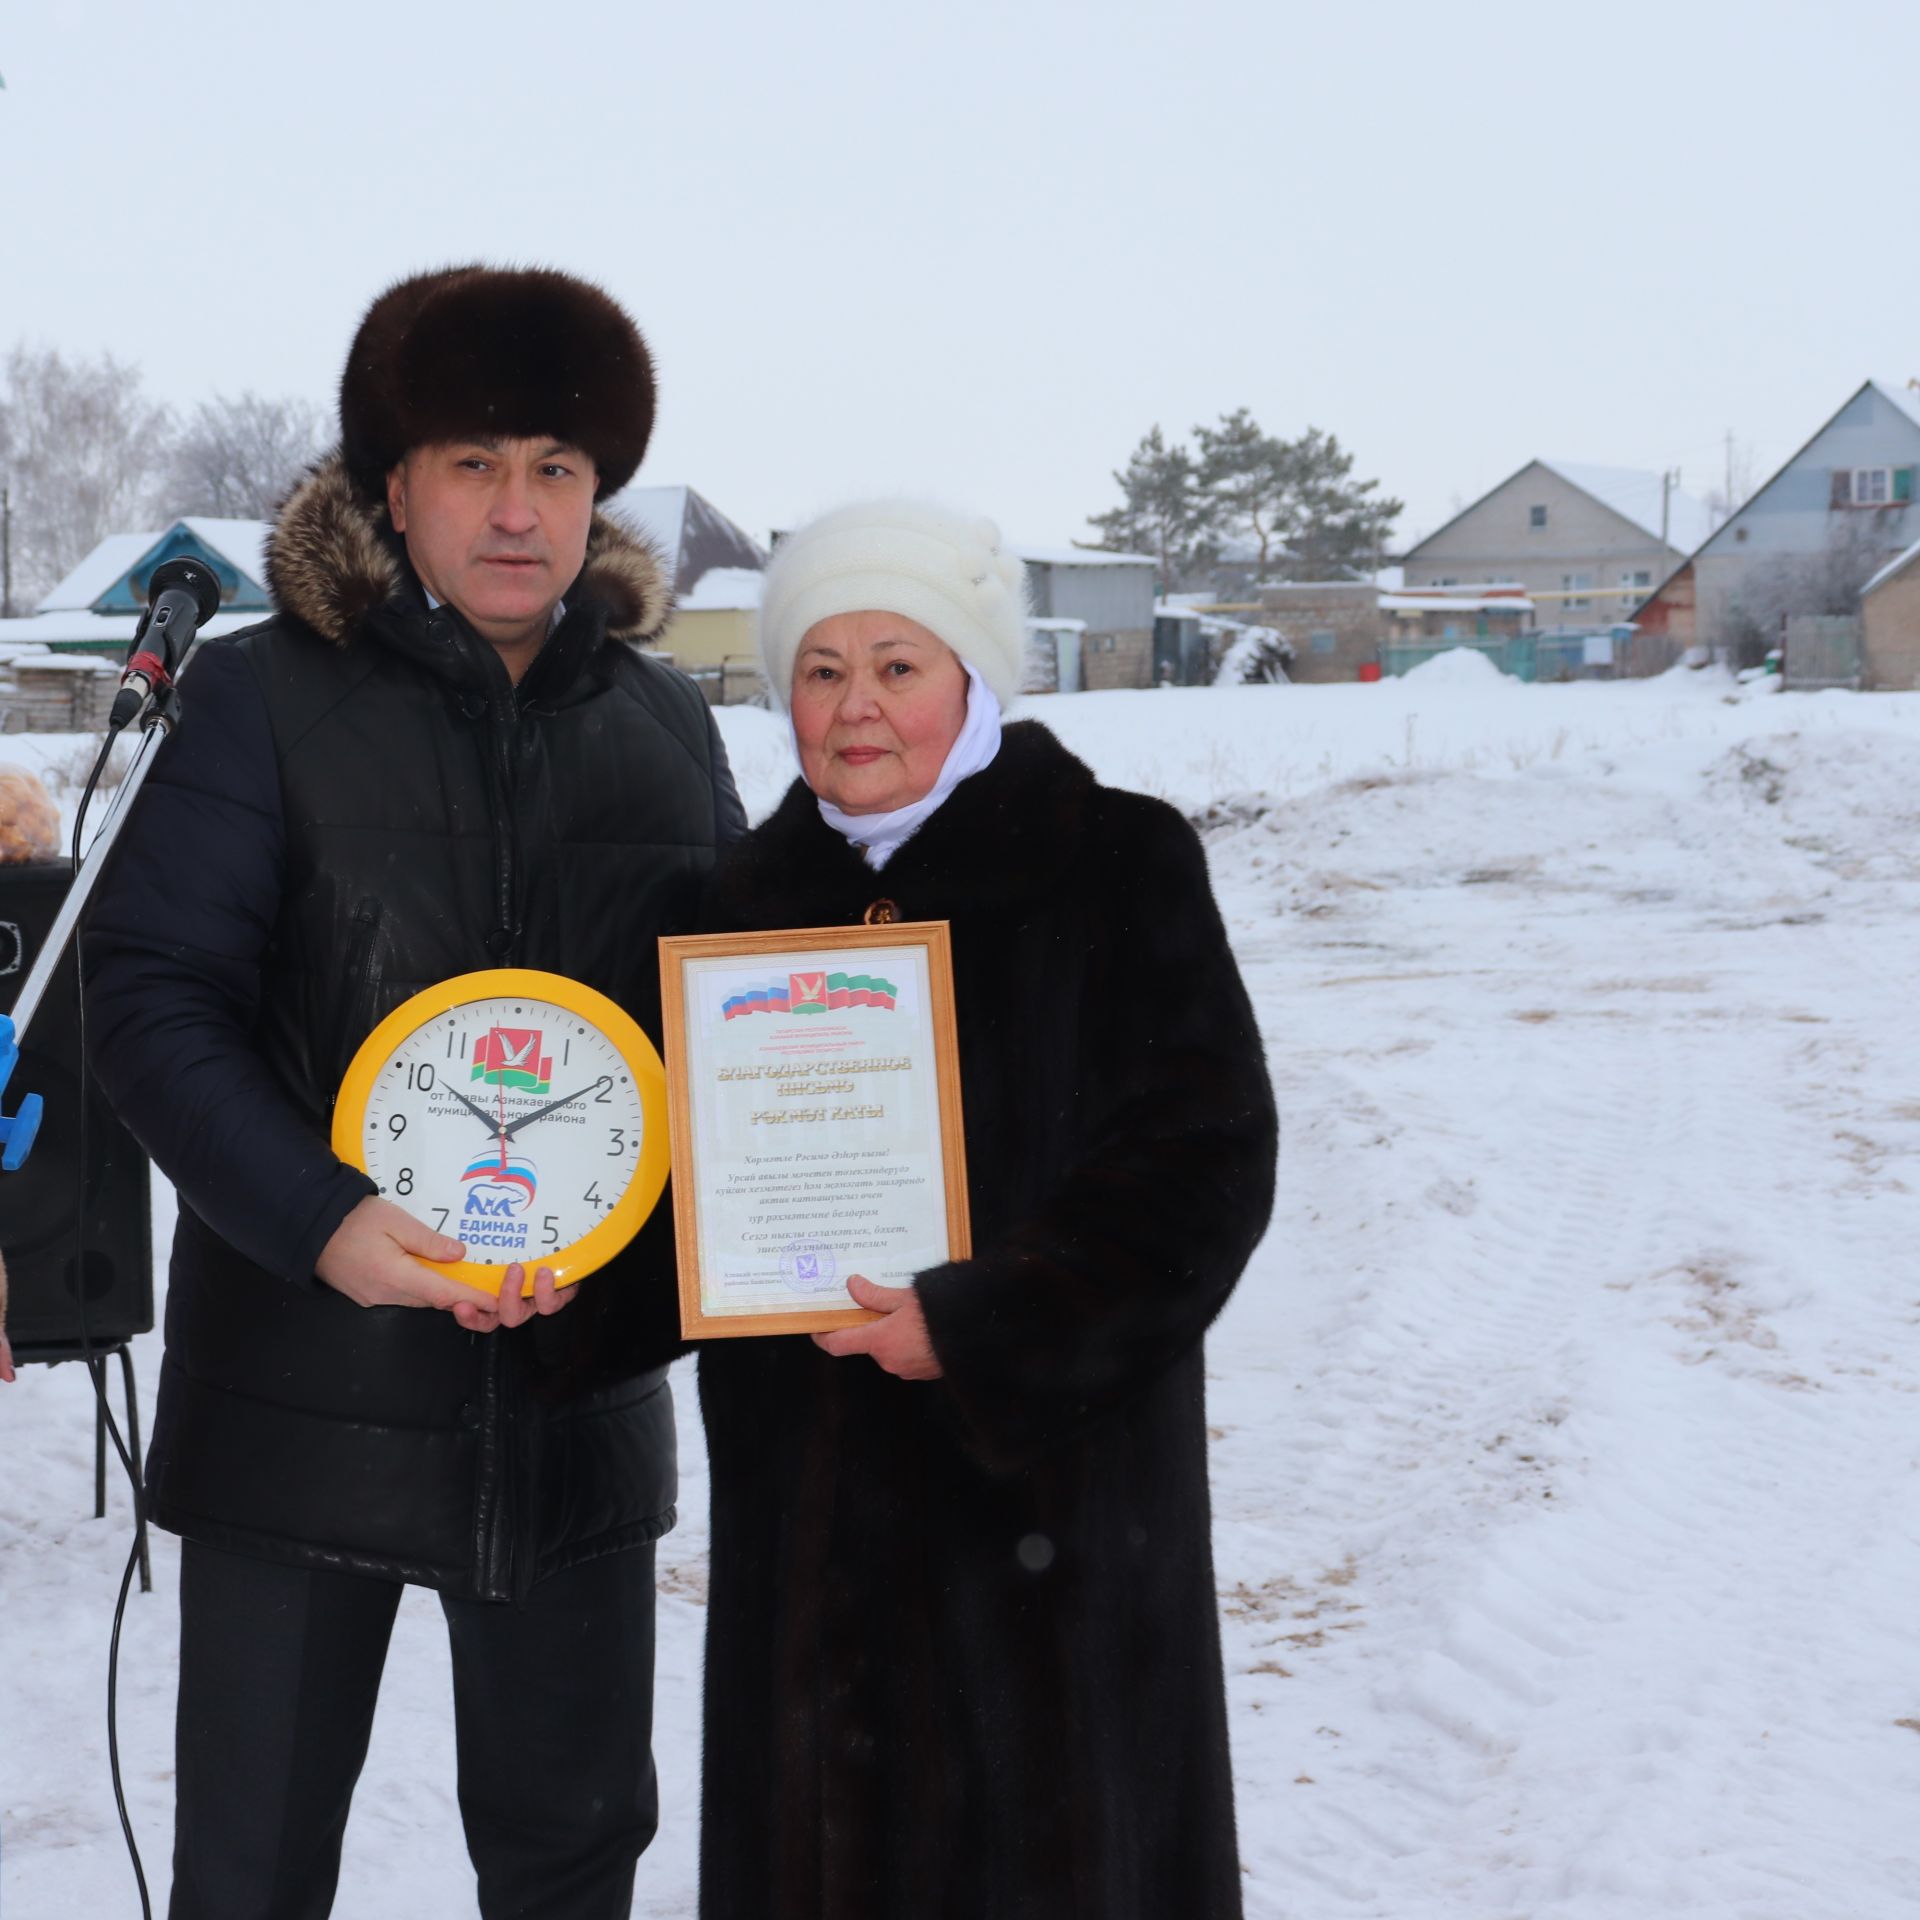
813,1099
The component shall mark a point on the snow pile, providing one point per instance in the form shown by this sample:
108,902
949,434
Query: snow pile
1457,667
1566,1517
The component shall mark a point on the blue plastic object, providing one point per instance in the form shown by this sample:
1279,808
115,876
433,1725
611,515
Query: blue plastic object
18,1132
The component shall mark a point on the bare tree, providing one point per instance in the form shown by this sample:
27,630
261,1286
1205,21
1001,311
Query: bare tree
238,458
1735,489
1827,580
82,450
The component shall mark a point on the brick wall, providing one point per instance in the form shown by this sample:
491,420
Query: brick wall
1335,629
1122,659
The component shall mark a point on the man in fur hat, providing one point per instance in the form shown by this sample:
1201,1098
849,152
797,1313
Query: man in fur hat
444,752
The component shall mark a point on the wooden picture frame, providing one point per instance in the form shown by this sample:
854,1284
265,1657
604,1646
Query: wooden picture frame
808,1146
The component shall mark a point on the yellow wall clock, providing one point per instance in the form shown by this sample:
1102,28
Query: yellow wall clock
521,1112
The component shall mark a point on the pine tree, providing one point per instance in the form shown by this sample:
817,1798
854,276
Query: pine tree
1162,511
1343,523
1295,501
1248,479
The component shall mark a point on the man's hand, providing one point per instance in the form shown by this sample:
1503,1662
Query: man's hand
374,1259
6,1352
897,1341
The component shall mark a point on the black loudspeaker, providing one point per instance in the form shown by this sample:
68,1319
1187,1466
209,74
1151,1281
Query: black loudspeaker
38,1203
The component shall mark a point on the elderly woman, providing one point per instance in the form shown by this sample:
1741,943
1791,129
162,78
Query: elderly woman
962,1652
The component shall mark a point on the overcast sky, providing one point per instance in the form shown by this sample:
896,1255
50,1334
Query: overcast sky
980,250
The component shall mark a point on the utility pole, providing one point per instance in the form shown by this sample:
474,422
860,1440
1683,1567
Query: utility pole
1731,501
1668,481
6,553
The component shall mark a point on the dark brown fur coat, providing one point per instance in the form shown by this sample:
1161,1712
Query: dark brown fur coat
963,1658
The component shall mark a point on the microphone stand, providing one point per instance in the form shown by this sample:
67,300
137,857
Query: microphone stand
156,711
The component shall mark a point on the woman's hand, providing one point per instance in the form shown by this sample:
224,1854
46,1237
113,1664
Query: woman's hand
897,1341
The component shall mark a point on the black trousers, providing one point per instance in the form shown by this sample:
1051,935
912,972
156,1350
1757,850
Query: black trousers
553,1713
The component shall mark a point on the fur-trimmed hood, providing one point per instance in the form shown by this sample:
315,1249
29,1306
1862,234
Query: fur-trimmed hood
332,560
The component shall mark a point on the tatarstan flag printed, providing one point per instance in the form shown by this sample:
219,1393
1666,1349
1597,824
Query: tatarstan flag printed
813,993
858,990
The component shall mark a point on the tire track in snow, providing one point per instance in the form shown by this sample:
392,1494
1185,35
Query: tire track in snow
1595,1329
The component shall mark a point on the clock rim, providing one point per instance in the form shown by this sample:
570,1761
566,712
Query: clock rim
574,1260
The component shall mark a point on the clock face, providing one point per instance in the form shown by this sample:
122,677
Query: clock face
511,1123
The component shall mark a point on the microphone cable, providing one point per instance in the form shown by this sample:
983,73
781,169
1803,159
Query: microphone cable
95,1364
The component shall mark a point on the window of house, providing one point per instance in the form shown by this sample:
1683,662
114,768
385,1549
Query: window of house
1452,580
1321,640
1536,516
1578,587
1872,486
1635,582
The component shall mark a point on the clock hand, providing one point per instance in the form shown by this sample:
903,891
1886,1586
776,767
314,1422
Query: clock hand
475,1108
540,1113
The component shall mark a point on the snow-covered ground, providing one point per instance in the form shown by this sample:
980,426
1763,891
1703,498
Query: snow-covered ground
1566,1426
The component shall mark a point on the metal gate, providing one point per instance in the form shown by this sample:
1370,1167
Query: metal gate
1823,650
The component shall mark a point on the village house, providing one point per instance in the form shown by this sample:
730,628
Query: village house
1585,543
1803,546
59,665
716,581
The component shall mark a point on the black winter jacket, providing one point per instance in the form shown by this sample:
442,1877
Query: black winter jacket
963,1660
358,804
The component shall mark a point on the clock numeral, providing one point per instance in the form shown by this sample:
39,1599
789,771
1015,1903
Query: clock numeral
445,1213
619,1142
603,1095
549,1231
566,1050
397,1125
420,1078
403,1180
461,1037
592,1196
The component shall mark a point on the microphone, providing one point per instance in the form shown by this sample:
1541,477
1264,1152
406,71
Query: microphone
182,595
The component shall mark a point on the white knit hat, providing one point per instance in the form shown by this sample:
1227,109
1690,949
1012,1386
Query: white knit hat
946,571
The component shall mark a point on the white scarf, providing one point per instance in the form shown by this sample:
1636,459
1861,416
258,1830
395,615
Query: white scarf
879,836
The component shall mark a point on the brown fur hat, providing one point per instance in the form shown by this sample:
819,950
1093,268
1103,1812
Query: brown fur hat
512,352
